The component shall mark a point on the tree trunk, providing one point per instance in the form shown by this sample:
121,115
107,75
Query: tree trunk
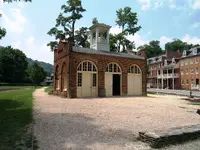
72,38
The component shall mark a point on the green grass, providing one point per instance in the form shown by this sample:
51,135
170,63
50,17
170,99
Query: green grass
15,115
48,89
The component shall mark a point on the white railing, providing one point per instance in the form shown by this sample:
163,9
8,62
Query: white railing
172,75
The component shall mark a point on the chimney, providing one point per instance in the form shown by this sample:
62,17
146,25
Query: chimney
142,53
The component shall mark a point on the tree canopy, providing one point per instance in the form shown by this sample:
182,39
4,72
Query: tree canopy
10,1
127,21
65,23
95,21
37,74
177,44
152,49
13,64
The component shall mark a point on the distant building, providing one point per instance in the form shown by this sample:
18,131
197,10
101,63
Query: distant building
48,80
164,71
190,69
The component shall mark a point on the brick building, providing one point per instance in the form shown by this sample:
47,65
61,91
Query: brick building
164,71
97,71
190,67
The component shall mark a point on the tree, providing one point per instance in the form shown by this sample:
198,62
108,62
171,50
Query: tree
81,37
127,21
152,49
66,20
13,64
175,45
95,21
2,32
37,74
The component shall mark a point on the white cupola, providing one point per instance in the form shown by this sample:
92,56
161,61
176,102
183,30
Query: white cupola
99,37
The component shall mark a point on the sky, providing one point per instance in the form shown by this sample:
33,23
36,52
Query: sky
27,24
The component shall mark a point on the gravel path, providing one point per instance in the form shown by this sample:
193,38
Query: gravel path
105,123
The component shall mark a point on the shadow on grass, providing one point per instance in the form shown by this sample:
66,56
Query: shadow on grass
15,116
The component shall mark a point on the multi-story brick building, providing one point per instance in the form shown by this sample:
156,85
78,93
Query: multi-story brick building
97,71
164,71
190,69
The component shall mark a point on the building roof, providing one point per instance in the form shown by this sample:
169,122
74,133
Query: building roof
190,53
110,53
100,25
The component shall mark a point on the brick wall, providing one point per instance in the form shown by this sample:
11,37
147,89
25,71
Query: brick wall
101,61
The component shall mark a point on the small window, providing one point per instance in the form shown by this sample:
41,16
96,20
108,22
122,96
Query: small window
186,70
191,61
113,68
84,66
134,69
182,81
192,81
182,71
80,67
182,63
196,60
191,70
197,70
186,81
79,79
94,80
89,66
186,62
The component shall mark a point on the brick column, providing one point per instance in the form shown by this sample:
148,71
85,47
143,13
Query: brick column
124,83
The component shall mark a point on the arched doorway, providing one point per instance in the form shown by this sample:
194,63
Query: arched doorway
64,77
113,80
134,80
57,78
87,85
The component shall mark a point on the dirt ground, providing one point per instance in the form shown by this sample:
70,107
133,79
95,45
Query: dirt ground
106,123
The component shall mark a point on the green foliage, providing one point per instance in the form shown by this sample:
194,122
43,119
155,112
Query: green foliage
2,32
15,115
81,37
177,44
95,21
152,49
37,74
127,20
72,11
13,64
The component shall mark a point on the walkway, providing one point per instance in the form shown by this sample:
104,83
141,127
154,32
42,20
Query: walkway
105,123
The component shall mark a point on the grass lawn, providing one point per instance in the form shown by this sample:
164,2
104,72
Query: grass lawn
15,115
48,89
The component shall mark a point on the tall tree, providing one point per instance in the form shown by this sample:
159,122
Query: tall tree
81,37
2,32
175,45
72,11
13,64
127,21
37,74
95,21
152,49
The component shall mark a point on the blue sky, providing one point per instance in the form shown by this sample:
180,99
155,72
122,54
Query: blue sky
27,24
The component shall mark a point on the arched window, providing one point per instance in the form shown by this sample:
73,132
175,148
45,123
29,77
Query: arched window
113,67
87,66
134,69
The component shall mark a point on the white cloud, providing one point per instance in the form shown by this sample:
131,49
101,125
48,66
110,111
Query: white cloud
195,25
115,30
146,4
163,40
196,4
172,6
191,40
34,49
16,22
158,4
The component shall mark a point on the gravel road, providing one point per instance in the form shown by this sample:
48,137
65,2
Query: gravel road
105,123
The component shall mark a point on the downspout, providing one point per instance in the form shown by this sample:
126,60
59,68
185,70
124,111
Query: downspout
70,72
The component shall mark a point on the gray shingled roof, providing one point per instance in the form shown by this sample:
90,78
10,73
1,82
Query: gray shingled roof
98,52
190,52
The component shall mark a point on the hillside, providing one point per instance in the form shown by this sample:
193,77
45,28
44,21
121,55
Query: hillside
47,67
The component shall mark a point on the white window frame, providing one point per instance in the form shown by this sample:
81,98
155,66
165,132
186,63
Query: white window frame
196,60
